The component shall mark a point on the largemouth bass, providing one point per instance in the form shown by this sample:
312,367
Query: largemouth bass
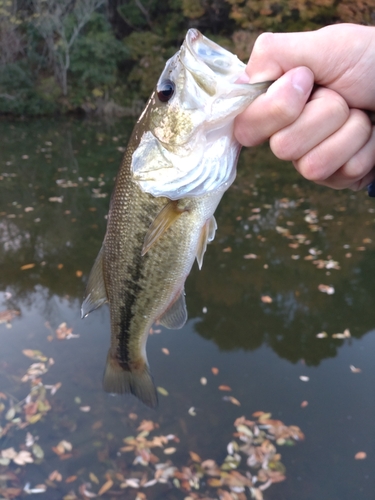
180,159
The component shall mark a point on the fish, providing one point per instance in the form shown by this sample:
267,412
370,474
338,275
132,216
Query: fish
180,159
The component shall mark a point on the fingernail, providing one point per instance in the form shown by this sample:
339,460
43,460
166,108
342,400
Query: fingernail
244,78
301,81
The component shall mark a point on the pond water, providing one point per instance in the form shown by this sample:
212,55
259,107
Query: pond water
255,311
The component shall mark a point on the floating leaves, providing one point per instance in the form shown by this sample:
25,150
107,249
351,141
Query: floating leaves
8,316
65,333
360,455
266,299
162,391
329,290
344,335
304,378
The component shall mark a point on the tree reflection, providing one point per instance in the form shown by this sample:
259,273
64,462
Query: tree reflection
63,238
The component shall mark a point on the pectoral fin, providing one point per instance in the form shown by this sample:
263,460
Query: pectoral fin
96,293
176,315
163,220
207,235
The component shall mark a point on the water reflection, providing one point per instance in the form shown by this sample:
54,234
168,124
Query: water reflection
279,238
56,178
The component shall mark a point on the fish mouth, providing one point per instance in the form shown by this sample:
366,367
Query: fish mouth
220,61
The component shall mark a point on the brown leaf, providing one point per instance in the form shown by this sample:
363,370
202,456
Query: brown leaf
266,299
195,457
106,486
70,479
27,266
214,370
227,249
224,388
361,455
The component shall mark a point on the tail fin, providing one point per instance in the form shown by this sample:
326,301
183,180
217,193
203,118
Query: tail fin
139,383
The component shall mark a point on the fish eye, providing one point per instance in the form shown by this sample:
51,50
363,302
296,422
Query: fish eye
165,90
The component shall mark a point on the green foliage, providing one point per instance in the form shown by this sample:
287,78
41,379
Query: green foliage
63,55
19,93
95,59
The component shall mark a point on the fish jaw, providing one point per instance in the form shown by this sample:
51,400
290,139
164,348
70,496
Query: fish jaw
188,145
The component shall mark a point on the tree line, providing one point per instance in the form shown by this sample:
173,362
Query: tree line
59,56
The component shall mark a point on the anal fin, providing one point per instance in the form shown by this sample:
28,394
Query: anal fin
165,218
96,293
176,315
207,235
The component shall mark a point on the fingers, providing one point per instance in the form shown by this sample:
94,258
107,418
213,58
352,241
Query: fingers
358,171
324,114
280,106
340,56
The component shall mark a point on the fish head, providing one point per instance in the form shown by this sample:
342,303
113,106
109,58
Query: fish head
190,118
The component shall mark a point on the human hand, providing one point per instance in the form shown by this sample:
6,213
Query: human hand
327,135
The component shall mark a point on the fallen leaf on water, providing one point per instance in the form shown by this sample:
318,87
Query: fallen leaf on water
39,488
106,486
338,336
224,388
304,378
79,274
23,458
354,369
93,478
70,479
195,457
55,476
227,249
170,451
361,455
232,400
34,354
322,335
203,380
162,391
85,409
304,404
165,351
7,316
27,266
147,425
192,411
214,370
329,290
266,299
250,256
56,199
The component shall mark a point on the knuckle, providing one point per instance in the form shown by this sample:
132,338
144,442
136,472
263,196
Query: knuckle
283,147
311,166
263,43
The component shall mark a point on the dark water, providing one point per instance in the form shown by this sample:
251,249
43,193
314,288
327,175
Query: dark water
260,346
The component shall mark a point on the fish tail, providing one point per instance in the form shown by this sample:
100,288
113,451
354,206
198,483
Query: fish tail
138,382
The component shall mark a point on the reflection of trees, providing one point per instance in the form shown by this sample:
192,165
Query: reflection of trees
232,286
59,238
68,235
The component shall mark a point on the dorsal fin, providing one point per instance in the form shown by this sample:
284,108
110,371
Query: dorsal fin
161,223
95,294
207,235
176,315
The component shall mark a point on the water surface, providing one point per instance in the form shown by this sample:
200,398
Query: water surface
255,311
